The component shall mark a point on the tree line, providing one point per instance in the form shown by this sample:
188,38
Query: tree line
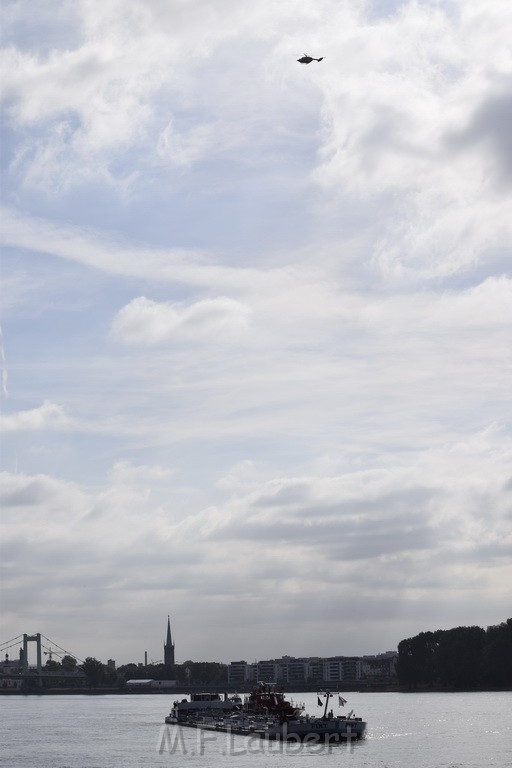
462,658
95,674
189,672
194,673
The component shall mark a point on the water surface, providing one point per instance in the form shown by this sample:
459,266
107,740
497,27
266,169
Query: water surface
428,730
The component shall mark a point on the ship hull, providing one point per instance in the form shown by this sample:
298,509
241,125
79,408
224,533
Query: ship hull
314,731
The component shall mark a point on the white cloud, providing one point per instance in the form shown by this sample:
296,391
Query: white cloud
113,256
186,148
267,310
3,364
49,416
145,321
419,81
126,473
487,307
123,82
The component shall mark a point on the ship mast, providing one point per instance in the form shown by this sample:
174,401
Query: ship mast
327,695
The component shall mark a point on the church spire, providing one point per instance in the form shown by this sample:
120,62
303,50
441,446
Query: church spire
169,646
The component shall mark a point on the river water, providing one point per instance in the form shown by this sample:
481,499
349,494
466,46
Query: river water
428,730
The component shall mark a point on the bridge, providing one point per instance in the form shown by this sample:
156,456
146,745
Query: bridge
23,669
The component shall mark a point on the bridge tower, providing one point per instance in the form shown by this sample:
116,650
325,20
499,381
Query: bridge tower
37,640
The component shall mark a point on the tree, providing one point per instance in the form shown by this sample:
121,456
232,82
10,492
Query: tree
93,671
201,673
405,667
460,655
68,663
497,662
417,659
52,665
109,675
131,672
159,672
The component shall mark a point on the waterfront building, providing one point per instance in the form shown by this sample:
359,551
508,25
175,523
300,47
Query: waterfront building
240,672
334,669
269,671
295,670
382,665
341,669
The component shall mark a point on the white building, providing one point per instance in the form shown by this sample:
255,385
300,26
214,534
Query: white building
240,672
295,670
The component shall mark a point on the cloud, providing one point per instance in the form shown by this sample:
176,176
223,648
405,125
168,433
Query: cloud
17,287
19,491
395,94
488,127
412,527
109,255
396,128
5,391
122,86
145,321
484,306
188,147
260,314
51,418
48,416
125,473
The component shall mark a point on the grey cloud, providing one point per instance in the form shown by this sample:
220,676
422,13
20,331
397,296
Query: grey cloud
490,126
156,555
353,538
74,564
38,491
53,558
389,537
300,494
289,494
406,501
486,553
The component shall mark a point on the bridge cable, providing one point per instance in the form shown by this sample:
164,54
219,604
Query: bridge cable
62,649
10,641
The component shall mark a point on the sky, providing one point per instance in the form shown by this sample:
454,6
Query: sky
256,324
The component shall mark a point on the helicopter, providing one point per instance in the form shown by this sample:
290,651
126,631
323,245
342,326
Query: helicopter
308,59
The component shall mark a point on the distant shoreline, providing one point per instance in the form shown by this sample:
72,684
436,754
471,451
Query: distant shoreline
185,691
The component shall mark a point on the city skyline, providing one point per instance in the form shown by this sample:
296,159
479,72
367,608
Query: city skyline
256,319
52,649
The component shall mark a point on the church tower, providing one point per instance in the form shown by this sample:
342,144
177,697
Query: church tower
169,646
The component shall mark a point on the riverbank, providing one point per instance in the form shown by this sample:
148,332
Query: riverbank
182,691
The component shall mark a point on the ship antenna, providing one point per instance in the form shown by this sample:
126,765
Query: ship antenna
327,697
